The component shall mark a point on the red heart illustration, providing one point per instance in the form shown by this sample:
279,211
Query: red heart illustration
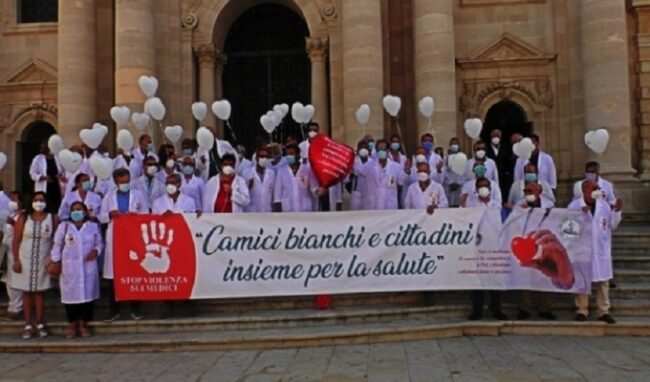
330,161
524,248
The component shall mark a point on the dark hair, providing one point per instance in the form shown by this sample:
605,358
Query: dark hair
79,176
425,135
142,137
395,136
76,203
592,163
417,165
292,146
177,177
162,152
29,209
228,156
361,143
382,140
313,124
18,195
479,142
483,180
120,172
534,138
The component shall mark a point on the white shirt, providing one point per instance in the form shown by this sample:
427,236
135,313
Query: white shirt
295,191
469,189
545,169
92,202
383,182
360,198
517,191
38,168
194,188
151,189
261,189
182,204
605,186
491,172
418,199
239,195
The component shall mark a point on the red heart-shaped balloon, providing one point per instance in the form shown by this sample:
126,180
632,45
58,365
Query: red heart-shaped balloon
524,248
330,161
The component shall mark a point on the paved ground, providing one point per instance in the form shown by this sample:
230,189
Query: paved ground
508,358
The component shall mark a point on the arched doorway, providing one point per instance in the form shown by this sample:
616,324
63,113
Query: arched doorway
508,117
267,65
27,148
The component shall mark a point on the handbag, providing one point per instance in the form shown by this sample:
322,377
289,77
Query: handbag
52,268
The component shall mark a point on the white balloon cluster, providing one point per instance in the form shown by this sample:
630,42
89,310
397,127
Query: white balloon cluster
302,113
597,140
524,148
473,127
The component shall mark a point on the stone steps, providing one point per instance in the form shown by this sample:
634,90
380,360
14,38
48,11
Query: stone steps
634,261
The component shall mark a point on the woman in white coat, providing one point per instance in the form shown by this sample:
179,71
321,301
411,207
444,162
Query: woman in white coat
77,243
15,305
226,192
81,192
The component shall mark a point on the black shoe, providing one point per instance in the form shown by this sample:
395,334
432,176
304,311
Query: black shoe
548,315
475,316
523,315
499,316
580,317
112,317
607,318
612,284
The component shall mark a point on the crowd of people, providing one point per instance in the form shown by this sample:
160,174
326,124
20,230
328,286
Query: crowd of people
64,228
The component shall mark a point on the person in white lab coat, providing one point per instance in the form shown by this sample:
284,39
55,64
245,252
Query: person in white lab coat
592,172
14,210
360,198
425,193
81,192
48,176
144,150
480,157
543,162
516,195
174,201
469,193
452,182
122,200
192,185
436,163
395,152
312,131
77,244
295,185
383,177
226,192
260,180
149,184
603,220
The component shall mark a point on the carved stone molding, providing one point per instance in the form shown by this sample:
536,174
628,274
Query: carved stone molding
189,21
9,114
316,48
328,11
537,90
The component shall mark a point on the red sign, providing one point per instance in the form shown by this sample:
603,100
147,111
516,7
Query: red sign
330,160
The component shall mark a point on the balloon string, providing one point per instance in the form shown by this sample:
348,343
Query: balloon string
232,132
302,130
399,129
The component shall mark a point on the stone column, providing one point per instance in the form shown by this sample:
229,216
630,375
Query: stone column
206,57
135,53
317,51
363,70
435,67
606,81
77,76
220,60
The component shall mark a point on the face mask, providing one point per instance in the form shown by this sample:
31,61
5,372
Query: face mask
13,206
187,152
591,176
394,146
150,147
596,194
371,145
228,170
77,215
420,158
530,177
152,170
86,186
291,160
382,154
312,134
106,155
188,170
480,154
454,148
170,163
530,198
38,206
171,189
363,153
479,171
496,141
483,192
423,176
262,162
427,145
124,187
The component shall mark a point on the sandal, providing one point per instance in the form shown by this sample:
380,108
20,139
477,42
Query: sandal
42,331
28,332
70,332
84,332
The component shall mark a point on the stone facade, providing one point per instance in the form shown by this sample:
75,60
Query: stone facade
571,66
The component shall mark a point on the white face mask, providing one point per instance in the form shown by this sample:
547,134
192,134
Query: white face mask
152,170
170,163
13,206
423,176
363,153
420,158
39,206
483,192
228,170
171,189
262,162
480,154
596,194
530,198
496,141
312,134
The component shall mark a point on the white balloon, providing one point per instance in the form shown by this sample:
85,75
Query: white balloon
102,167
103,129
3,160
426,106
597,140
70,161
91,137
473,127
156,108
174,133
120,115
55,144
148,85
458,163
205,138
297,112
125,140
267,123
199,110
392,104
524,148
285,109
278,116
222,109
577,190
140,120
363,114
308,113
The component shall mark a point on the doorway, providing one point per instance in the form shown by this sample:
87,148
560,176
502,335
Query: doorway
508,117
26,149
267,65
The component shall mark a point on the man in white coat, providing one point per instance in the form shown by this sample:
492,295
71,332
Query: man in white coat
144,150
516,195
312,132
192,185
425,192
260,179
469,193
436,163
360,198
295,185
452,182
149,184
603,219
174,201
48,176
383,177
226,192
122,200
543,162
592,172
480,157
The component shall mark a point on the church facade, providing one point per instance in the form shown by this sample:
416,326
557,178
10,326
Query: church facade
556,68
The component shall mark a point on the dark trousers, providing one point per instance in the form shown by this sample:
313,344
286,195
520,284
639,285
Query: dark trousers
478,298
80,312
115,306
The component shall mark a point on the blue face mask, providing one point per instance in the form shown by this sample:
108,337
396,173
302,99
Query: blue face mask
188,170
530,177
427,145
77,215
591,176
479,171
382,154
290,159
371,145
187,152
124,187
395,146
86,186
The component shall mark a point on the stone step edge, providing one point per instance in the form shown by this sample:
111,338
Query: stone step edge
335,337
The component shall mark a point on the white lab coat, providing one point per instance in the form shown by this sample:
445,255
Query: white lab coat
152,192
93,203
545,169
383,182
606,187
295,191
360,198
517,191
261,192
38,169
544,202
450,177
182,204
137,204
204,168
136,163
469,188
335,194
603,222
194,188
491,172
104,186
79,281
239,196
418,199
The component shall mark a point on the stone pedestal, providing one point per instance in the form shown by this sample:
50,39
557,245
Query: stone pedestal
317,51
77,77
